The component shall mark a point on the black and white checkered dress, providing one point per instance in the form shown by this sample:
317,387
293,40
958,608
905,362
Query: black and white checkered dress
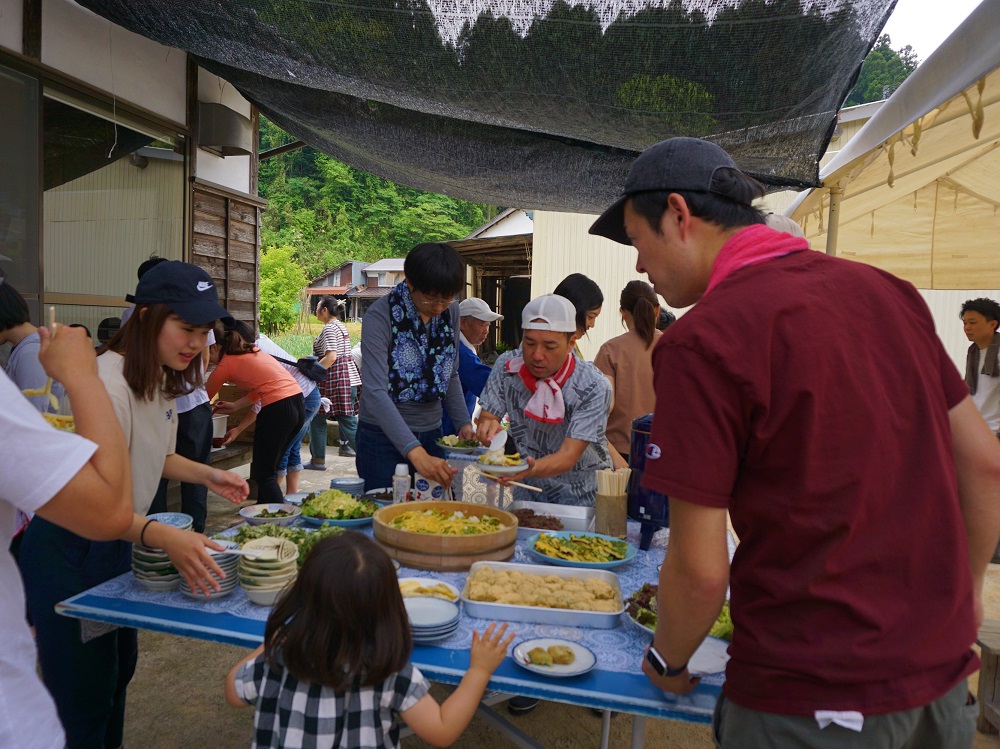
290,714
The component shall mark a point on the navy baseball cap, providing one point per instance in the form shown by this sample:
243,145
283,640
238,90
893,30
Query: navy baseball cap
675,164
188,290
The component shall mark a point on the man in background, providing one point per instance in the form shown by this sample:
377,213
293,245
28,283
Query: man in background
980,318
810,397
474,325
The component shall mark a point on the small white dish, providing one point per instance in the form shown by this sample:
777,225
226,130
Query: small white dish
502,470
430,612
264,597
711,657
584,659
252,514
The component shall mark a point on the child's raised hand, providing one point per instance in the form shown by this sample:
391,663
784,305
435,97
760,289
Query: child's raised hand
490,648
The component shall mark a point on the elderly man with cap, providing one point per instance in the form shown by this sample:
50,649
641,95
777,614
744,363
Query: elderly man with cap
811,398
475,320
557,404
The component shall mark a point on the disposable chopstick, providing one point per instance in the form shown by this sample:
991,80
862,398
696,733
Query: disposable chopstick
511,483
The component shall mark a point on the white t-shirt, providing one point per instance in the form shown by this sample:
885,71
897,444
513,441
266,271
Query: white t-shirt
150,429
36,462
987,397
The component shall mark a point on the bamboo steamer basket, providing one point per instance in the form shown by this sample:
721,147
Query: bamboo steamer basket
434,551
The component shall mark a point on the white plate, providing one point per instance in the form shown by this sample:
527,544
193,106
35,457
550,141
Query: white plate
430,612
584,662
502,470
710,657
428,582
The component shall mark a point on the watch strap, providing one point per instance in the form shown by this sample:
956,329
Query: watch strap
671,672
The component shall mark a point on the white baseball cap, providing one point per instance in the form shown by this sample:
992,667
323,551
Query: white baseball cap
549,312
477,308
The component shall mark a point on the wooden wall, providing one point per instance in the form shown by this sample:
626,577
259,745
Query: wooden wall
226,243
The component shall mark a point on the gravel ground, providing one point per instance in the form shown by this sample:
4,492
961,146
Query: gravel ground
175,700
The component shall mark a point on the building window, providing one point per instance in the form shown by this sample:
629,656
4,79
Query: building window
113,195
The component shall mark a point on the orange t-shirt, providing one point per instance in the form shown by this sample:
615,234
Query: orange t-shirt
258,373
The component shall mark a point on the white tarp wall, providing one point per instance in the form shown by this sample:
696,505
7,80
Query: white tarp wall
920,188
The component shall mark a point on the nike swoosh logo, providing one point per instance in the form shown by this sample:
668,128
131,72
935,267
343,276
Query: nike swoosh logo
204,286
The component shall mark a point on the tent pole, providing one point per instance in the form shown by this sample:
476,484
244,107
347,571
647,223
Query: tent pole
833,221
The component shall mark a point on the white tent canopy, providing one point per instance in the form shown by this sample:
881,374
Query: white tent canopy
917,191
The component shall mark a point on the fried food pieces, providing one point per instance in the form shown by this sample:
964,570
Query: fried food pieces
553,591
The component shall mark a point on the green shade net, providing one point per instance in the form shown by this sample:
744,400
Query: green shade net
533,103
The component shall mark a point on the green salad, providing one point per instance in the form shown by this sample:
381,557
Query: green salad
334,504
641,606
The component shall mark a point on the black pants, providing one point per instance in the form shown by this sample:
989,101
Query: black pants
194,441
87,680
277,425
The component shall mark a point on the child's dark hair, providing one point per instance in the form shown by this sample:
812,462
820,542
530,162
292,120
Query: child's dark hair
145,265
639,300
342,624
237,338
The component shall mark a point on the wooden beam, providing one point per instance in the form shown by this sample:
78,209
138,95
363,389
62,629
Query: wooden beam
31,31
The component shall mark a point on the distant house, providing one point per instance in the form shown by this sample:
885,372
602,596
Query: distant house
336,282
380,277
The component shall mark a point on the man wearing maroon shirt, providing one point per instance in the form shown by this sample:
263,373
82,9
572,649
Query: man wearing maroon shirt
810,398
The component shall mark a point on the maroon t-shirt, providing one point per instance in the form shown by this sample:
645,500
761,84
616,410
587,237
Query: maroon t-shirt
809,395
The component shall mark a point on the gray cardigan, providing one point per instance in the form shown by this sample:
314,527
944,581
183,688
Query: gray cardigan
399,421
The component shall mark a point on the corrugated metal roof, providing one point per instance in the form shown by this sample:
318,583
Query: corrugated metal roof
369,292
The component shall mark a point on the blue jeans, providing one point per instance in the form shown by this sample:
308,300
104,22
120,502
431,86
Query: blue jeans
317,432
292,459
87,680
194,441
377,456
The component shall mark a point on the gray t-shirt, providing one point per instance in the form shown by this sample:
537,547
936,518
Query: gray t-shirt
400,421
27,373
587,395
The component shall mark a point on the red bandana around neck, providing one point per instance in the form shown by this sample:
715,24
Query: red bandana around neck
750,246
546,403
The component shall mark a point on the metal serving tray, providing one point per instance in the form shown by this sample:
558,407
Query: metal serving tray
543,614
578,519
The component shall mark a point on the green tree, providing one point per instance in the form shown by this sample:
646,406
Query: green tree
882,73
326,212
281,279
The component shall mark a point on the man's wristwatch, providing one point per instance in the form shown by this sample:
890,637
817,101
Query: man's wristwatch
659,664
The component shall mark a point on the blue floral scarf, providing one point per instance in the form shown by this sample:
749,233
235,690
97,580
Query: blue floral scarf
421,355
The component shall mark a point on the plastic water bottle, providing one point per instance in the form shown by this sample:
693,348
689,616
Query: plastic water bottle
401,483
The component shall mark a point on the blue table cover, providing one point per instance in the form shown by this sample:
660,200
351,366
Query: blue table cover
617,683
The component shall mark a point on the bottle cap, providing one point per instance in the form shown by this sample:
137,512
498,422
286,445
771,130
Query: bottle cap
402,469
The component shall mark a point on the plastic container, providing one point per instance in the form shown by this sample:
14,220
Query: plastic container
401,483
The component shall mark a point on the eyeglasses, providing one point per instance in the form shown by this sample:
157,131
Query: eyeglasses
428,302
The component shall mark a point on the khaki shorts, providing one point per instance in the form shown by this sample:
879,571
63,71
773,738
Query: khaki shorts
946,723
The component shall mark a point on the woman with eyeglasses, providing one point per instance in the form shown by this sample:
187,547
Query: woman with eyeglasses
409,347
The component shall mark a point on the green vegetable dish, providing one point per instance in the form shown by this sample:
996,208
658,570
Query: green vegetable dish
304,539
641,607
334,504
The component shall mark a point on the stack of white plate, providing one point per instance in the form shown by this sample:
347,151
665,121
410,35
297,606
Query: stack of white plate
228,563
152,567
431,618
264,577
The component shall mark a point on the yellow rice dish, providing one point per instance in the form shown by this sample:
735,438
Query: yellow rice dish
446,523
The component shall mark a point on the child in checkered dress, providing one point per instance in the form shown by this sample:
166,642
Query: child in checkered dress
334,668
